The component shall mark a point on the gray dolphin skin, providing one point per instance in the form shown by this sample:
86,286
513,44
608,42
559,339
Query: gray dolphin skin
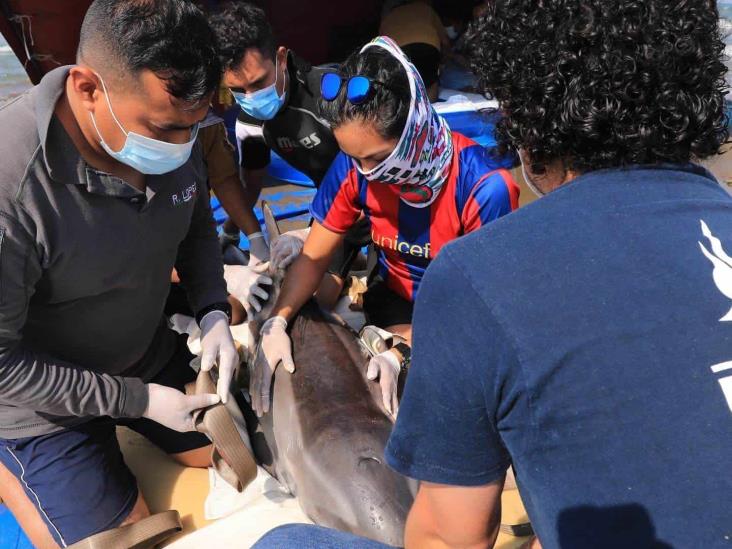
325,434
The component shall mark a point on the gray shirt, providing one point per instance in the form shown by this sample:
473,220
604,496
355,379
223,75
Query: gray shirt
85,264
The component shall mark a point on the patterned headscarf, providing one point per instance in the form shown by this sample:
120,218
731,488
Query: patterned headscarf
421,160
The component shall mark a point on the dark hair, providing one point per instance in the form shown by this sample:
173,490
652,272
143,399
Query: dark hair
604,83
388,106
169,37
239,27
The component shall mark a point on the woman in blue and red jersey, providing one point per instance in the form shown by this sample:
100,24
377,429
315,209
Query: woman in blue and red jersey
420,186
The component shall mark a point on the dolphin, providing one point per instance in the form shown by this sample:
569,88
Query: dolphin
325,434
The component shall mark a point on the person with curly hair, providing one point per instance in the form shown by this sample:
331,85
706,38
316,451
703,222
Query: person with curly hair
595,355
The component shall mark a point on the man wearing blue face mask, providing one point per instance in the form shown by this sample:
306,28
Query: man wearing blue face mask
103,191
278,93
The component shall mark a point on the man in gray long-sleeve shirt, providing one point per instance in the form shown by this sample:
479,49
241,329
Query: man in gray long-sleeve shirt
102,192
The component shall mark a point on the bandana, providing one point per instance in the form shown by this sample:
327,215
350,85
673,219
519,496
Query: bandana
421,160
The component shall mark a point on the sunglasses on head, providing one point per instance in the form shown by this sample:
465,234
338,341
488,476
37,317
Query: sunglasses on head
358,88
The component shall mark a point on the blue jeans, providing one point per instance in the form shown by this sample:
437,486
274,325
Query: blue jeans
307,536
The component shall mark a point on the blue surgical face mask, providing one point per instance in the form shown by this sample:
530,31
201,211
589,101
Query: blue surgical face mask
146,155
263,104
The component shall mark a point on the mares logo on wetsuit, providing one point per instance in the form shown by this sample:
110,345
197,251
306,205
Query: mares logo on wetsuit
186,195
308,142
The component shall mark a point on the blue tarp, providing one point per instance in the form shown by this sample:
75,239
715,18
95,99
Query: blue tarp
11,536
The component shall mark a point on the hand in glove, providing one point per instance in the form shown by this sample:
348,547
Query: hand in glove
386,367
258,249
173,409
218,344
244,284
287,247
274,347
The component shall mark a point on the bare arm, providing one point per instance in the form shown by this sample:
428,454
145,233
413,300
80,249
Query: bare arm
235,200
305,274
223,176
253,183
449,517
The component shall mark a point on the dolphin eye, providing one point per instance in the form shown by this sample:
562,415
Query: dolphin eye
364,460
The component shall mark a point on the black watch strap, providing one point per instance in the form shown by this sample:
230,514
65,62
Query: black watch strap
224,307
406,353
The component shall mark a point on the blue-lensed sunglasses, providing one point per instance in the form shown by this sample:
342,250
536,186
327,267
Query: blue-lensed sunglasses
358,87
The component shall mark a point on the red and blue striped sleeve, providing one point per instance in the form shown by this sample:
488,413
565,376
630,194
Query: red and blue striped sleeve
336,205
494,196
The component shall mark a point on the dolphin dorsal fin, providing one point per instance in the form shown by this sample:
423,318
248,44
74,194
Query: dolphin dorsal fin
270,223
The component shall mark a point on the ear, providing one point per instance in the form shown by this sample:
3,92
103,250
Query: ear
86,85
281,55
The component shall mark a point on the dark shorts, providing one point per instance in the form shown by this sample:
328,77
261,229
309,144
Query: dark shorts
77,478
357,237
384,308
426,59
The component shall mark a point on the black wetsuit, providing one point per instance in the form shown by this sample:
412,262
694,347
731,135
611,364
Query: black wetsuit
305,141
297,133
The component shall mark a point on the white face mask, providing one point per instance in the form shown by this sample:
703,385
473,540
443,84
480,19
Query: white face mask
529,183
144,154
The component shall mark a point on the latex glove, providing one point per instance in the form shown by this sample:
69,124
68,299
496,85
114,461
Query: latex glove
287,247
243,282
173,409
258,249
217,344
386,367
274,347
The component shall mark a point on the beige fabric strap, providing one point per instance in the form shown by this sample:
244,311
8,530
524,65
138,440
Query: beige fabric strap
140,535
230,456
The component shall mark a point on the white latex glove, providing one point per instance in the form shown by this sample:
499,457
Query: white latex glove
217,344
173,409
274,347
243,282
287,247
386,367
258,249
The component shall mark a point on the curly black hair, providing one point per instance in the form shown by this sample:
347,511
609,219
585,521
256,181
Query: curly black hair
604,83
239,27
168,37
387,107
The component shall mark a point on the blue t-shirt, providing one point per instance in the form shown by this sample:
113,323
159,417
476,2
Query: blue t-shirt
587,339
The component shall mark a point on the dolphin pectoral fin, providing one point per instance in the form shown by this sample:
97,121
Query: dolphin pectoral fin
727,317
270,223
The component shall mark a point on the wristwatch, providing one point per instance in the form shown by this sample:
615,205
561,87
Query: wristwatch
404,353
